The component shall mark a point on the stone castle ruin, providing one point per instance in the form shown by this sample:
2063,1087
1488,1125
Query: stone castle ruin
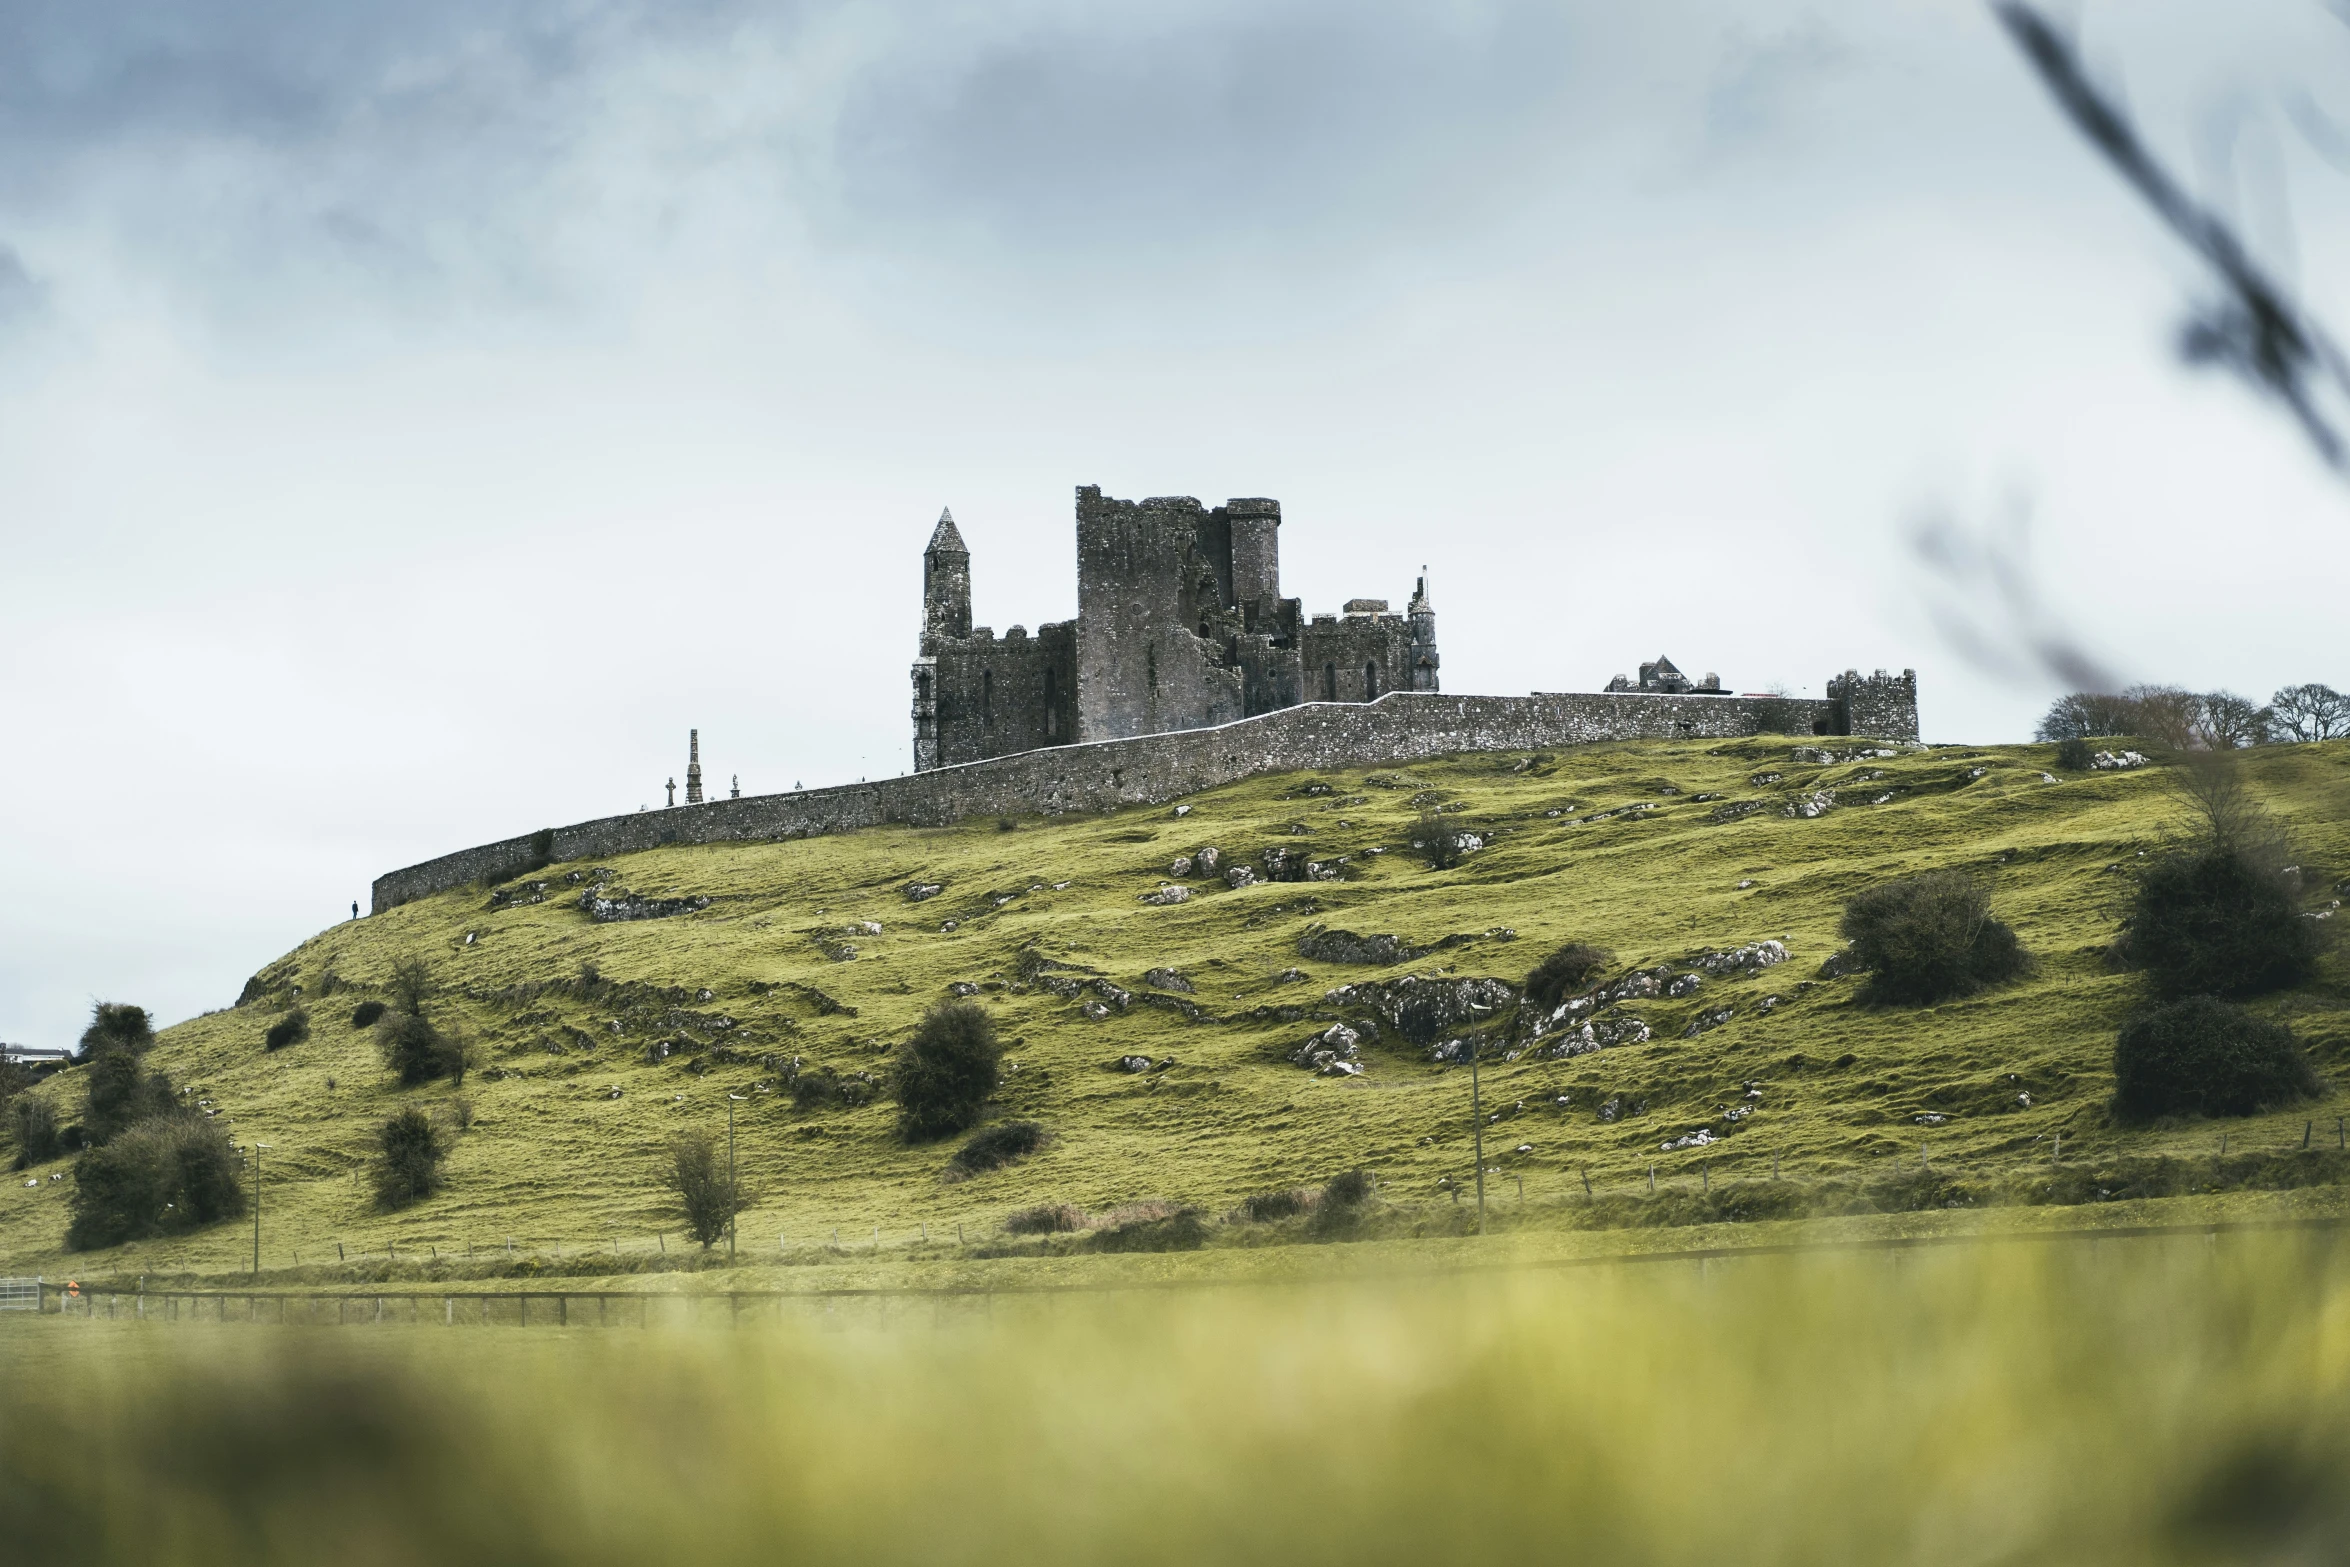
1184,669
1180,625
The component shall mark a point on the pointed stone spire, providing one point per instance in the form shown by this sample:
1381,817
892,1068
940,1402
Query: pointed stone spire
946,587
693,767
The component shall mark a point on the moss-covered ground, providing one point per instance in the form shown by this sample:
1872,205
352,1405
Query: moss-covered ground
573,1101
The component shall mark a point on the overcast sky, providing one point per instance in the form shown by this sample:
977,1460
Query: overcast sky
414,418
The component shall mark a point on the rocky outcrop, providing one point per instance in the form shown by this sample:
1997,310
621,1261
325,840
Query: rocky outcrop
1423,1009
1343,946
630,906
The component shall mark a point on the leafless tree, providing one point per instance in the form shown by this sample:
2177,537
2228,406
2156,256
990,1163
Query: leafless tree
2228,722
2168,716
2311,712
2085,715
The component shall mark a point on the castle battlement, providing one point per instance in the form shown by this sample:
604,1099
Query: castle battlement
1184,669
1180,625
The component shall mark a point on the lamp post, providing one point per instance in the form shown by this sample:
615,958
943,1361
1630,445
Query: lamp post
732,1200
257,1150
1477,1129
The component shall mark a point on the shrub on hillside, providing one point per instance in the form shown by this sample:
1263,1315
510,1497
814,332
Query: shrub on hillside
1152,1227
705,1191
120,1092
291,1029
1568,970
408,1159
1288,1203
367,1014
2203,1056
1929,938
1051,1218
1438,840
1339,1212
117,1025
994,1147
411,984
1348,1189
824,1088
2219,919
2074,754
164,1176
412,1049
944,1073
32,1127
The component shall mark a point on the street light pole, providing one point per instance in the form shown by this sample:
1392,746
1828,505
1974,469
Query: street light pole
733,1198
1477,1129
257,1148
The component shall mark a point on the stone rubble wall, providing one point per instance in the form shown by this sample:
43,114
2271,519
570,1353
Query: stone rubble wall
1400,728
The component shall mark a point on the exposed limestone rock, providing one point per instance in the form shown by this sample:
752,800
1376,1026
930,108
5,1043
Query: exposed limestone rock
1168,979
1332,1052
629,906
1344,946
1167,895
1423,1009
922,891
1749,958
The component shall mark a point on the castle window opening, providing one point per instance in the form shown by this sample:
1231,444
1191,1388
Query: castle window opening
1052,704
986,698
1370,682
1329,682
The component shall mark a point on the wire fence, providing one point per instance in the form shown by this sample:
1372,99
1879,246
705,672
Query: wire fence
560,1308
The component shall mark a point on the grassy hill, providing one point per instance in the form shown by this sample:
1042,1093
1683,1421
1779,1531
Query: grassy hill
1622,845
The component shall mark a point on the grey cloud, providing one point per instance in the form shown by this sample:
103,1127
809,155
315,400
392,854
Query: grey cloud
1212,129
20,296
1758,80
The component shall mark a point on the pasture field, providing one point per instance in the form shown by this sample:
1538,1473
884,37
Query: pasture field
2127,1401
1839,1108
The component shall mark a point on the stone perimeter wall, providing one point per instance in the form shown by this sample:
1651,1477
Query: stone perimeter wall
1401,727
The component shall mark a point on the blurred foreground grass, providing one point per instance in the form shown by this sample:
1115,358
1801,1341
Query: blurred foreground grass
2125,1401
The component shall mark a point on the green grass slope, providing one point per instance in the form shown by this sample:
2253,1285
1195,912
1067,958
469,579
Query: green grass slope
1615,844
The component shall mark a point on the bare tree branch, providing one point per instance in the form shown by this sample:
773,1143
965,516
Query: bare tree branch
2255,326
